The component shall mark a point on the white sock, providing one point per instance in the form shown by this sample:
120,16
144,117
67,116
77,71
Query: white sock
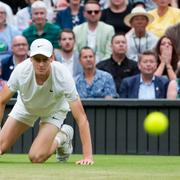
60,138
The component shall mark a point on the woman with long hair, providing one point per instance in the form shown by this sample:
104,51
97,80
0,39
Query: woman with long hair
167,58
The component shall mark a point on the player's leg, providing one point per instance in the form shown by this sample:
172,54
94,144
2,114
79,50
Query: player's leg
52,135
44,144
49,139
64,138
11,130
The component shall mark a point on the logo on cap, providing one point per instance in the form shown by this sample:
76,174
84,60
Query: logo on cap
39,46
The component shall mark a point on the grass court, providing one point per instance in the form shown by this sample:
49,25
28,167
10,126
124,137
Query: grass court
106,167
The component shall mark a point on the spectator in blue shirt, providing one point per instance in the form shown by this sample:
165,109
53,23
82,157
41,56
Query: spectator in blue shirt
93,83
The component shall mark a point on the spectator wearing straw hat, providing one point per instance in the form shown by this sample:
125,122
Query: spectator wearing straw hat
138,39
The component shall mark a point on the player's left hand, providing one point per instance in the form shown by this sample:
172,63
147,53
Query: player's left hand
85,162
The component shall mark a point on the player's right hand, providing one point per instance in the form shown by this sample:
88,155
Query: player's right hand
85,162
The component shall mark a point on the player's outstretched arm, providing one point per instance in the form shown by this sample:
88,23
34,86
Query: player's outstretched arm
84,130
5,96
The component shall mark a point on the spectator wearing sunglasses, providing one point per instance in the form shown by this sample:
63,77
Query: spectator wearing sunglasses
93,33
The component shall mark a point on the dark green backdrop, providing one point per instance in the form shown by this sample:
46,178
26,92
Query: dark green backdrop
117,128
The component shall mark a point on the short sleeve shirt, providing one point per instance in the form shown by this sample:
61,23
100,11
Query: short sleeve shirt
101,86
51,97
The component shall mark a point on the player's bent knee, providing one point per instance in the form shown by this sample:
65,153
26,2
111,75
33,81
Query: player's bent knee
37,158
3,147
1,151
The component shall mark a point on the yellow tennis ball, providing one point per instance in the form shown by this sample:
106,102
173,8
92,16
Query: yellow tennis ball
156,123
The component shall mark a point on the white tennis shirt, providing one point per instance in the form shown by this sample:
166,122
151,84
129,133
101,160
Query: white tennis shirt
43,100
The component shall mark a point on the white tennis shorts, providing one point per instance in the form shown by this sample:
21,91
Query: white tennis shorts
19,113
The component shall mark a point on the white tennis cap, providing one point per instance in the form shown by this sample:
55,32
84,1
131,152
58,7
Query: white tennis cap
41,46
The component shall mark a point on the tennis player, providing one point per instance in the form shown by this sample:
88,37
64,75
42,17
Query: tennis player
46,90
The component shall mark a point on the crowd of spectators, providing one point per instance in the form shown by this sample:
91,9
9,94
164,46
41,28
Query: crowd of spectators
112,48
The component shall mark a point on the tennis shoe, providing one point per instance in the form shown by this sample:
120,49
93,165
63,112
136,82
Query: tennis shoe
65,149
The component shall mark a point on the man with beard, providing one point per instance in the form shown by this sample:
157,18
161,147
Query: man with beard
94,33
66,54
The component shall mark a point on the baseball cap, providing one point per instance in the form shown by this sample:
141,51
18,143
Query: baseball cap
41,46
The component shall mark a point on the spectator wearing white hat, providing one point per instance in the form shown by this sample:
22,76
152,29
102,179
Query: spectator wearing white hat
138,39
